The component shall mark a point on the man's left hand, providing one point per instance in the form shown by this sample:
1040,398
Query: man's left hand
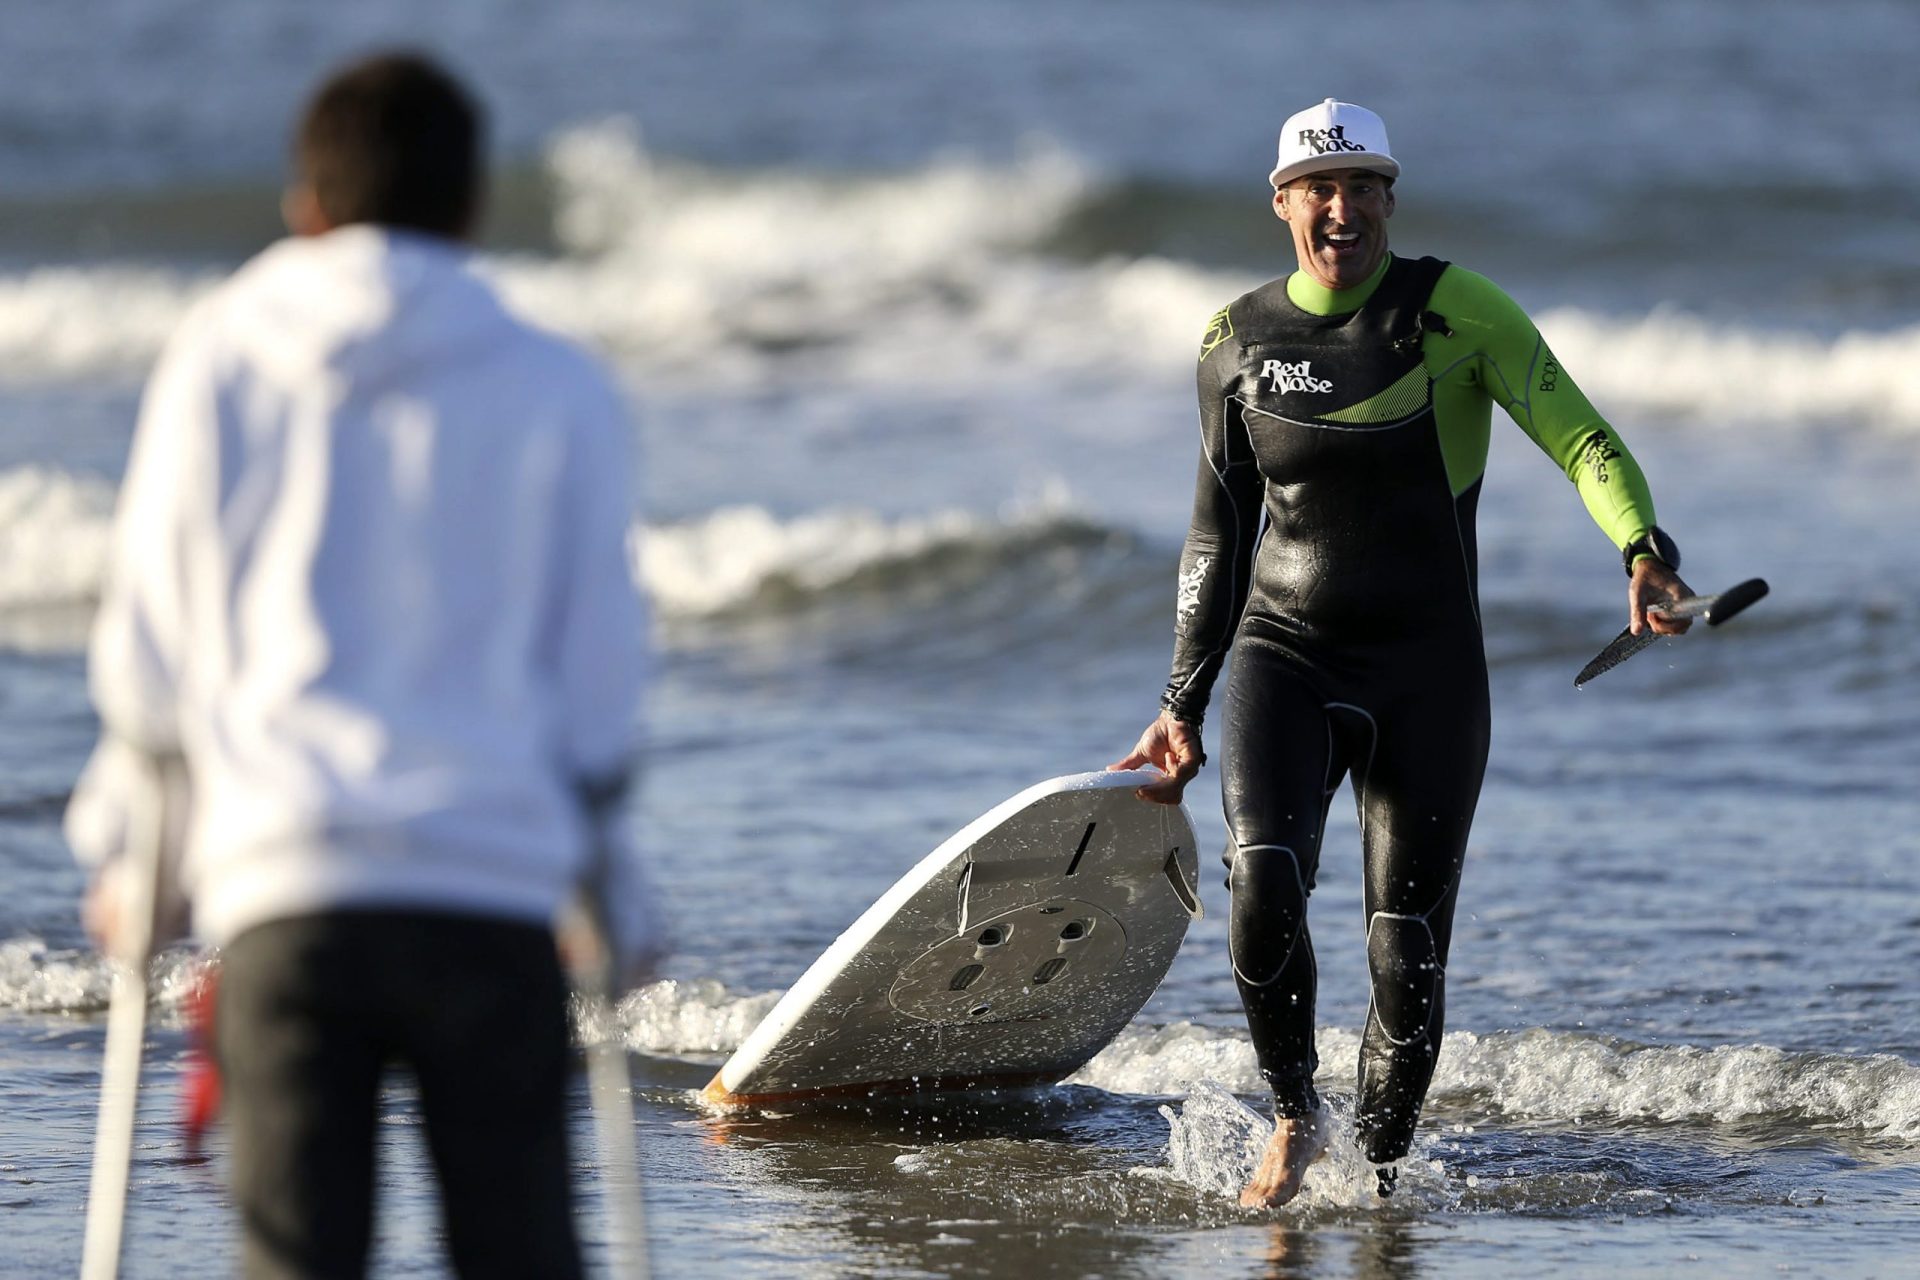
1655,584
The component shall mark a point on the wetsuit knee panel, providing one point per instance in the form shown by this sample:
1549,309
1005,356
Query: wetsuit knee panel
1269,910
1404,963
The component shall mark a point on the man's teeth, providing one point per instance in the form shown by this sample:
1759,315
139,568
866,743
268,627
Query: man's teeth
1343,237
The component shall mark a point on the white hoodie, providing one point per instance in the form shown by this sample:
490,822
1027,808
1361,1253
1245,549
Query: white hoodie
370,577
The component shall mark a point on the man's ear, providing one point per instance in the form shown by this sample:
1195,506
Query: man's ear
1280,205
300,210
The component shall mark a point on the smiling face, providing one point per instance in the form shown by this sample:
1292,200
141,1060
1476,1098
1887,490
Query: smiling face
1339,222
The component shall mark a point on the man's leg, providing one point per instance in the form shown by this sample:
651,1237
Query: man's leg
1284,755
1416,805
491,1052
300,1071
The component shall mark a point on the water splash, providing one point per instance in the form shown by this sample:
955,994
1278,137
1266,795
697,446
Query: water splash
1215,1142
36,978
676,1016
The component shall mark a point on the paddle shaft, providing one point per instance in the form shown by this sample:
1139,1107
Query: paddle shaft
126,1038
611,1086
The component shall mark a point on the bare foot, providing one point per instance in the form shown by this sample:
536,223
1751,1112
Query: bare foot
1295,1145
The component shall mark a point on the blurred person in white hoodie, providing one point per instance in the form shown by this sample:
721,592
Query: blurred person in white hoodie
370,609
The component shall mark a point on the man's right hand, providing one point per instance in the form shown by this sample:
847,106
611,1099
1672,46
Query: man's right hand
1171,746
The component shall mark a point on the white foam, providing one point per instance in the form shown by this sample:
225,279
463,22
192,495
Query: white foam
671,1016
1173,1059
795,225
1555,1076
1214,1143
35,978
1539,1075
736,556
1683,366
935,278
72,322
57,528
690,1016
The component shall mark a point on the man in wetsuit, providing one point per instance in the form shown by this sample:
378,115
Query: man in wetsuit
1350,405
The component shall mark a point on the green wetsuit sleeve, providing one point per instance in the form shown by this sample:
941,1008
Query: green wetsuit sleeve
1516,370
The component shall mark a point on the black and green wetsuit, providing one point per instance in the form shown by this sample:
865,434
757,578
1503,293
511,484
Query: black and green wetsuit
1357,423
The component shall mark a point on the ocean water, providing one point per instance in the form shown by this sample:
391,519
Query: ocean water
905,297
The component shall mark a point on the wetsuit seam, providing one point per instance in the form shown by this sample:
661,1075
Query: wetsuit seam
1330,426
1466,566
1360,783
1293,944
1466,359
1459,533
1460,536
1524,402
1533,362
1361,779
1439,975
1453,882
1220,648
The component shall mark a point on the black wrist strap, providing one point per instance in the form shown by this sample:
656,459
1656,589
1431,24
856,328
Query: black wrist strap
1655,542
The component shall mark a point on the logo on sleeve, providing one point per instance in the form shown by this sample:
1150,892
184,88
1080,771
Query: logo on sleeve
1294,376
1219,329
1597,453
1188,601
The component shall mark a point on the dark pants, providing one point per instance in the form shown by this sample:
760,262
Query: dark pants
1416,748
309,1013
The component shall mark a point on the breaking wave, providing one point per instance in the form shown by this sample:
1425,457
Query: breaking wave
53,556
946,276
1682,366
1529,1075
741,557
1544,1075
56,528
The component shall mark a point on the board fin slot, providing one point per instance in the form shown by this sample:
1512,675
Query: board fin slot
1086,838
1181,889
966,977
1049,971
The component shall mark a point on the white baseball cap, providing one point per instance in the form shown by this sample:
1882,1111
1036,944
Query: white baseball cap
1332,135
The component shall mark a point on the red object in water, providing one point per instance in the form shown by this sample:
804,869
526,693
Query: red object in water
200,1100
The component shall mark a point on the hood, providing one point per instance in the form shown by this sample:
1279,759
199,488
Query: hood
364,300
